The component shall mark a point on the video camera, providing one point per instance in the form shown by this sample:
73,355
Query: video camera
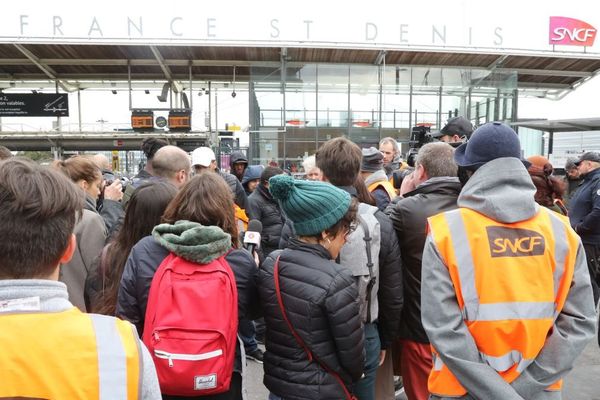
419,136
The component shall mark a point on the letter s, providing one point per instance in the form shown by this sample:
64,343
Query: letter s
501,247
275,33
560,34
498,34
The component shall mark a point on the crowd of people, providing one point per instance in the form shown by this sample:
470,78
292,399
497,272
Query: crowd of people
472,274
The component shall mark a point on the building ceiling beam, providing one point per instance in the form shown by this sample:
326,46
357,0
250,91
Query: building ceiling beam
47,70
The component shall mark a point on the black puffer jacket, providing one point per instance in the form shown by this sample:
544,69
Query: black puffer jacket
263,207
320,299
389,295
409,216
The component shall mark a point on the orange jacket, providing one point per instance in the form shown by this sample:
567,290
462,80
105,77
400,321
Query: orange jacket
68,355
511,281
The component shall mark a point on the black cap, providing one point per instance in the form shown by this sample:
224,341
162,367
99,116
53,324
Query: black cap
589,156
456,126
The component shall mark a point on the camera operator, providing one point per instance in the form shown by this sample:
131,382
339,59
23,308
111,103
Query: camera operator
457,130
108,204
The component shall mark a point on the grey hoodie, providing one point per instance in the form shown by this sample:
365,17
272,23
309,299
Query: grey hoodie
54,298
503,191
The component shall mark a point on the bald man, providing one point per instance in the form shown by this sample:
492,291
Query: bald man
173,164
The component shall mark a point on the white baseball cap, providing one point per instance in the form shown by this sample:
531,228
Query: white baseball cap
203,156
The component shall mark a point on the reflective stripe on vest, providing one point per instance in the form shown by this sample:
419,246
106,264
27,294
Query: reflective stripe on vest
78,356
510,319
386,185
112,366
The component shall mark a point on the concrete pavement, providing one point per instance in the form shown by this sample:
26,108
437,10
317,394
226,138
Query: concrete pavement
583,383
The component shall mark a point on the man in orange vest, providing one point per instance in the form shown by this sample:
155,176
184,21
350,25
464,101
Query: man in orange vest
505,295
48,348
375,178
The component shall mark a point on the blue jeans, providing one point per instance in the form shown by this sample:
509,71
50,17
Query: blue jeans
248,335
364,389
274,397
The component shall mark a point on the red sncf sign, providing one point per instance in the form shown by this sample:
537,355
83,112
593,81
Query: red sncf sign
571,32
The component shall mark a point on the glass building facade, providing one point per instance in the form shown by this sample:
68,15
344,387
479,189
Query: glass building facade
292,112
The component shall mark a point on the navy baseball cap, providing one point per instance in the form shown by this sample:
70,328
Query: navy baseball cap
455,126
489,142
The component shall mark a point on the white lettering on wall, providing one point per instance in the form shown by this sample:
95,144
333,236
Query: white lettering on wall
370,31
173,26
94,26
275,26
24,22
139,27
499,39
57,23
435,32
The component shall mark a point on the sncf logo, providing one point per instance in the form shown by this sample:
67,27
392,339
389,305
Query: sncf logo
512,242
572,32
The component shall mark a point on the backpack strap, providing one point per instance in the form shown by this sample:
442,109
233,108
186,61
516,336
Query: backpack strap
309,353
372,278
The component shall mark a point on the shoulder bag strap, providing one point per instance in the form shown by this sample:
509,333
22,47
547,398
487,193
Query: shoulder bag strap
309,353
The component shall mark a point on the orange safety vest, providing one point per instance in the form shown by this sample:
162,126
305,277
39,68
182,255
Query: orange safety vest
68,355
386,185
510,288
241,218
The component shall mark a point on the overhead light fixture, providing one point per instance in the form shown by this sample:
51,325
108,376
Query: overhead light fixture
147,91
233,94
114,91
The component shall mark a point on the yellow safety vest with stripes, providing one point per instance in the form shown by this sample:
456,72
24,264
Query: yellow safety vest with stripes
511,282
68,355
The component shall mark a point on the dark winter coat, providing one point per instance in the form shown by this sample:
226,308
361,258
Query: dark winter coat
263,207
320,299
389,295
144,260
239,194
409,217
584,208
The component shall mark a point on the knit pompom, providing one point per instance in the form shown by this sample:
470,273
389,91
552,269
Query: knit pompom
281,186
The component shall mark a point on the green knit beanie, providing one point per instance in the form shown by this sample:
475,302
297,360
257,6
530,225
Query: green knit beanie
312,206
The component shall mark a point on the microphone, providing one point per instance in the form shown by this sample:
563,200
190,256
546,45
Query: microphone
252,235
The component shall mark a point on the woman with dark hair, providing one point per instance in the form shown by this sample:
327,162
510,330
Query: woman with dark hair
143,213
362,192
550,189
90,230
198,223
314,337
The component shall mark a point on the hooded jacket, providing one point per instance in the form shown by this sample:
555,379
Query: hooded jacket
409,217
252,173
191,241
320,299
238,157
502,190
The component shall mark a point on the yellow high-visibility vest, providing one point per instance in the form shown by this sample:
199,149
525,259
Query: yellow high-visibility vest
69,355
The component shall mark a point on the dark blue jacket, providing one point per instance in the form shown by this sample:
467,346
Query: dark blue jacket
584,208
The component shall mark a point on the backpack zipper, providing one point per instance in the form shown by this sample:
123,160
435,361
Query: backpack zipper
187,357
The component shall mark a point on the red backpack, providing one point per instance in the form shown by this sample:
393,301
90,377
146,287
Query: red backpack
191,326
